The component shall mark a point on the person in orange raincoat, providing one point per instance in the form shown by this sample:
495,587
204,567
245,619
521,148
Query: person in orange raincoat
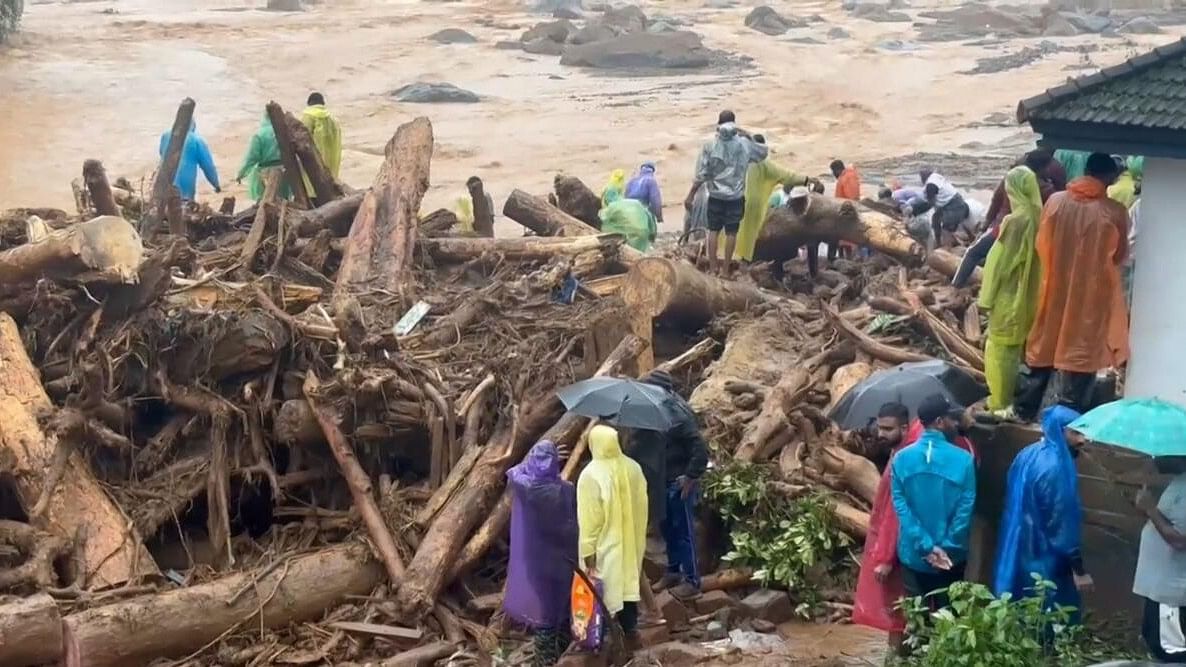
848,186
1081,324
879,583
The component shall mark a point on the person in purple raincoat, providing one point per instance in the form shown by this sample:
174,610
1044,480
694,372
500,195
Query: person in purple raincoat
543,551
644,187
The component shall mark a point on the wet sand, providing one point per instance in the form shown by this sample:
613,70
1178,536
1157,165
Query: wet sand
102,79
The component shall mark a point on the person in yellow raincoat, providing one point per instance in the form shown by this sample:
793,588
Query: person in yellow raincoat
612,517
327,135
1009,289
760,180
1124,190
263,155
615,189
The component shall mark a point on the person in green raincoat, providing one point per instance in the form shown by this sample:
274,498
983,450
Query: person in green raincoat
1009,290
262,154
632,219
326,133
760,181
1073,162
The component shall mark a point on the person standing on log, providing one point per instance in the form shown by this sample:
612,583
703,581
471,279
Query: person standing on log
673,462
848,186
612,516
263,155
543,543
721,167
194,155
933,485
326,133
644,187
761,179
1081,325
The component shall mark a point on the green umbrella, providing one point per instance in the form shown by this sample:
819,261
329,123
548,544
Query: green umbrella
1147,425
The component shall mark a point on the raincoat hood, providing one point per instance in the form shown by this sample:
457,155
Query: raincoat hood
316,111
542,464
647,168
1087,187
1055,420
727,131
603,443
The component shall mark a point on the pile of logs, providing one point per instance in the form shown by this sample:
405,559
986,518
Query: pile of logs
203,411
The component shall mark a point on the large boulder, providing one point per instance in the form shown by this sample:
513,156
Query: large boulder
1140,26
285,6
434,93
626,19
765,20
452,36
594,31
871,11
1090,23
543,47
555,31
672,50
1057,25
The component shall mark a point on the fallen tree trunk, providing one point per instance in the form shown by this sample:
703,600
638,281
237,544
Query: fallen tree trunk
853,521
325,187
577,200
105,249
167,171
113,552
542,218
336,216
95,178
946,262
857,473
478,497
523,249
288,156
30,632
829,220
176,622
383,236
678,292
867,344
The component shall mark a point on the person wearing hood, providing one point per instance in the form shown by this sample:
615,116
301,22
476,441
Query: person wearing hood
1124,190
933,485
1081,324
722,167
326,133
614,188
1040,527
262,162
612,517
195,154
761,179
543,549
644,187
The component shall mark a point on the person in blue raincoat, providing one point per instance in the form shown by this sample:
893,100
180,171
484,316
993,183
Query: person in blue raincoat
1040,528
194,155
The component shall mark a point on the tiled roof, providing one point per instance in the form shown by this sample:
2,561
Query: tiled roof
1148,91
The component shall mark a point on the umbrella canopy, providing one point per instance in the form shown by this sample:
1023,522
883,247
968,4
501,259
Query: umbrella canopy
626,403
1147,425
907,384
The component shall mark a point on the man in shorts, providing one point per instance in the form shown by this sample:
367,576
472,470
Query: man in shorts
721,168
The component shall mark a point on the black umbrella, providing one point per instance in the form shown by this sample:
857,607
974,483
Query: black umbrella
907,384
627,403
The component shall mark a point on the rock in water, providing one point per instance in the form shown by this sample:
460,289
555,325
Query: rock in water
879,13
553,6
566,13
838,33
452,36
285,6
543,47
1057,25
1088,22
594,31
433,93
673,50
625,20
554,31
1140,26
765,20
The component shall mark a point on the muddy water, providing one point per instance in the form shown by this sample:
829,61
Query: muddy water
102,79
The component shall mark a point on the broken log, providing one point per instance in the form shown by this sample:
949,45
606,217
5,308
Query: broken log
167,171
523,249
336,216
853,521
857,473
773,415
423,656
483,208
867,344
318,180
947,263
828,220
576,199
542,218
176,622
728,579
383,236
676,291
95,178
105,249
30,631
438,223
288,156
480,493
846,377
971,324
113,552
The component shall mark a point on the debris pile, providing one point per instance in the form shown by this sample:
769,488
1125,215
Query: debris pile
280,435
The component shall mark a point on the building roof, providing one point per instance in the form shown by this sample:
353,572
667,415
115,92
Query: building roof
1136,107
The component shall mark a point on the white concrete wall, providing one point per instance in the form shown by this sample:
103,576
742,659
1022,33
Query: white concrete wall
1158,324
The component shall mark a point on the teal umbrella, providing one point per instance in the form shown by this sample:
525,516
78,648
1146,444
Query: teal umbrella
1147,425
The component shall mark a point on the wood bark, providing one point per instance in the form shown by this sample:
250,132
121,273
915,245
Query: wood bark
727,579
336,216
946,262
678,292
480,495
113,551
176,622
30,631
857,473
105,249
846,377
383,236
438,223
576,199
522,249
167,171
483,211
325,187
542,218
867,344
288,155
853,521
773,414
422,656
95,178
829,219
